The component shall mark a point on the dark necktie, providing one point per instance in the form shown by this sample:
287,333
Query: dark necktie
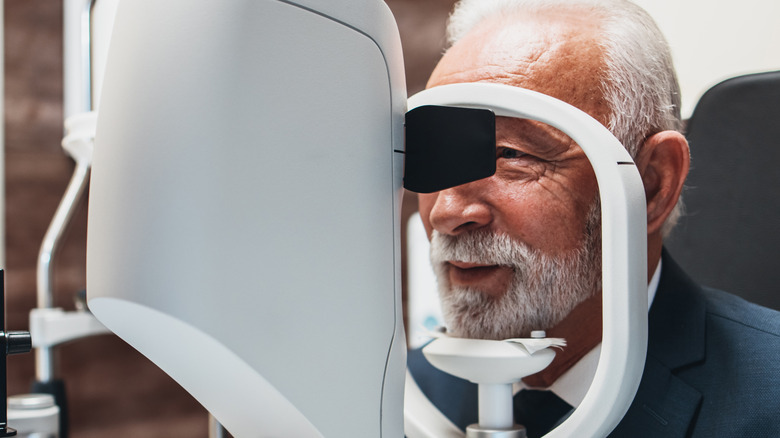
539,411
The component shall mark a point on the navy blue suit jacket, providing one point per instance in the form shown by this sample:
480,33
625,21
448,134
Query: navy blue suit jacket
712,369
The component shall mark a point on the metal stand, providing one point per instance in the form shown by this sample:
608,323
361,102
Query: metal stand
11,343
52,326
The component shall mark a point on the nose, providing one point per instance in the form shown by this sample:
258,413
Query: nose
457,210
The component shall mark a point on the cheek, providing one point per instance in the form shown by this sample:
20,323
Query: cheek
551,221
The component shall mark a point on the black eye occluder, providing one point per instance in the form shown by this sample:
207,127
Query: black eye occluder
448,146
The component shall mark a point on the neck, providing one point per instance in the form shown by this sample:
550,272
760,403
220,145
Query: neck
582,331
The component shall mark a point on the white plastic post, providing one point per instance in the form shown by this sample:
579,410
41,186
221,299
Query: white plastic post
495,406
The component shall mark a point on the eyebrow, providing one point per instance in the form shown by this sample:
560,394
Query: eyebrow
540,138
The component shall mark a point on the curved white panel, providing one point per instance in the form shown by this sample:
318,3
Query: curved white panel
230,378
245,187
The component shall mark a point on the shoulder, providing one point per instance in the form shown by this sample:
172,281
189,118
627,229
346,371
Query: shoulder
681,298
684,308
730,310
721,346
742,342
739,377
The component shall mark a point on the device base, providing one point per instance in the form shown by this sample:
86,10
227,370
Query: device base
474,431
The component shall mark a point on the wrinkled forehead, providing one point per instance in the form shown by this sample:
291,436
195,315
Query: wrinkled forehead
555,52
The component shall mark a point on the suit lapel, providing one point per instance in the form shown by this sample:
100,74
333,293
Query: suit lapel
677,319
665,405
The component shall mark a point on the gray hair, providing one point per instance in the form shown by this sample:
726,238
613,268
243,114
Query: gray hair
638,82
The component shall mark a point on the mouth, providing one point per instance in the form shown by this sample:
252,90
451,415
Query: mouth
492,280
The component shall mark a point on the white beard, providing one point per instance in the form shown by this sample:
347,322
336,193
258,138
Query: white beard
544,289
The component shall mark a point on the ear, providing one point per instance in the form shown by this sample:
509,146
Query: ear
663,162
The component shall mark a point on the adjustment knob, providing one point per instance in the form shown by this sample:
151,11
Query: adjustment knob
17,342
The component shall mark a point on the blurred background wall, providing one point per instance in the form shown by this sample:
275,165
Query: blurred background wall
112,390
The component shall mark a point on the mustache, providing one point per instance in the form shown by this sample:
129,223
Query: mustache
480,246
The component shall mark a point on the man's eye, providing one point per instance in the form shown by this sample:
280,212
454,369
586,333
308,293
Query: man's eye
509,153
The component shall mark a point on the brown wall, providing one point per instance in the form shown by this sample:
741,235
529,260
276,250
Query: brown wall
112,390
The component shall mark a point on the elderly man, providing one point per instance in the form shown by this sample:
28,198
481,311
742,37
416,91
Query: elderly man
520,250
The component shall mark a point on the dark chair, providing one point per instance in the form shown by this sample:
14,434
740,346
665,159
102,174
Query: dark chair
730,236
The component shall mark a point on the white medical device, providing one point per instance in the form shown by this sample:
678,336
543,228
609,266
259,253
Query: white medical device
244,213
244,208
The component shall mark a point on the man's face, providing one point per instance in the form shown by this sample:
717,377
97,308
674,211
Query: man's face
540,199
